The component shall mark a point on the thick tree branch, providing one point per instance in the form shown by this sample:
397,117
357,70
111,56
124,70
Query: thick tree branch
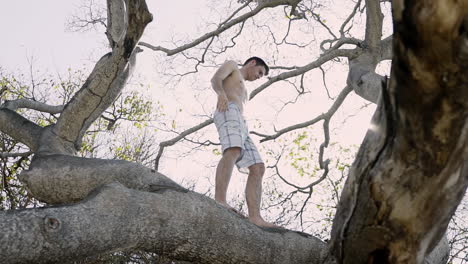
160,216
59,179
117,21
440,254
362,77
386,48
374,19
364,80
20,128
14,155
107,78
34,105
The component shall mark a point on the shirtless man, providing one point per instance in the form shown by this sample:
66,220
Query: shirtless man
237,146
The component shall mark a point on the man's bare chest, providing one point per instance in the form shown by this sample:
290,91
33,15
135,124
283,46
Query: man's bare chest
234,84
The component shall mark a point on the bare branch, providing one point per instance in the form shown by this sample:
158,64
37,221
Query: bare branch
34,105
338,43
353,13
235,12
14,155
222,27
61,226
325,82
20,128
182,135
319,19
93,15
275,166
233,40
339,100
374,18
315,64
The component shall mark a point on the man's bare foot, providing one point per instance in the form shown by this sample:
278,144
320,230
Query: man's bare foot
260,222
232,209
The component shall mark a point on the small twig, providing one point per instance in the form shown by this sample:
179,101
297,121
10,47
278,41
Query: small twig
182,135
339,100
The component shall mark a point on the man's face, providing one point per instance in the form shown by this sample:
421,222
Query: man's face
256,72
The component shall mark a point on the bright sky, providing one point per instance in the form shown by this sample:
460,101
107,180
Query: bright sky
37,29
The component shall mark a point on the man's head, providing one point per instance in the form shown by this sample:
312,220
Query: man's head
255,68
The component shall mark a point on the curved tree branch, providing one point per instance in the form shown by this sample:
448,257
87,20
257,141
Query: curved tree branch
223,27
339,100
362,77
173,141
329,55
180,225
20,128
34,105
160,217
351,15
14,155
59,179
107,78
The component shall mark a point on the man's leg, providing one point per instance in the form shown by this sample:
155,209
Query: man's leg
224,172
253,193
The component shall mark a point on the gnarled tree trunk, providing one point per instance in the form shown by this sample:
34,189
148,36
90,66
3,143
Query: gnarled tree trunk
410,173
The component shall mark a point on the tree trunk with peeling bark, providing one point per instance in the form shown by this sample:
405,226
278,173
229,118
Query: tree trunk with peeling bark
404,186
410,172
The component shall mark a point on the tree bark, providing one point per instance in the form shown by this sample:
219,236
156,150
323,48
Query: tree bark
177,223
409,174
20,128
61,179
110,74
362,77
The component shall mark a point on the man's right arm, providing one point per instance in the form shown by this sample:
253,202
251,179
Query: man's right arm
217,83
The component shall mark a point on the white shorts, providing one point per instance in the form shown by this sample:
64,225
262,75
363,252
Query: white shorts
233,132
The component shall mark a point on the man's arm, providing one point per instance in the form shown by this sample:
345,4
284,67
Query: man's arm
217,83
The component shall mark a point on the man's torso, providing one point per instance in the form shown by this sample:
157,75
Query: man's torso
234,88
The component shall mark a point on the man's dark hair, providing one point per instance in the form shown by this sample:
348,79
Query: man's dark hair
258,62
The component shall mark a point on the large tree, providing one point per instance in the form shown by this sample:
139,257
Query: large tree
405,184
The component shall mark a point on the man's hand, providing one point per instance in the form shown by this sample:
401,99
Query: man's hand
222,103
